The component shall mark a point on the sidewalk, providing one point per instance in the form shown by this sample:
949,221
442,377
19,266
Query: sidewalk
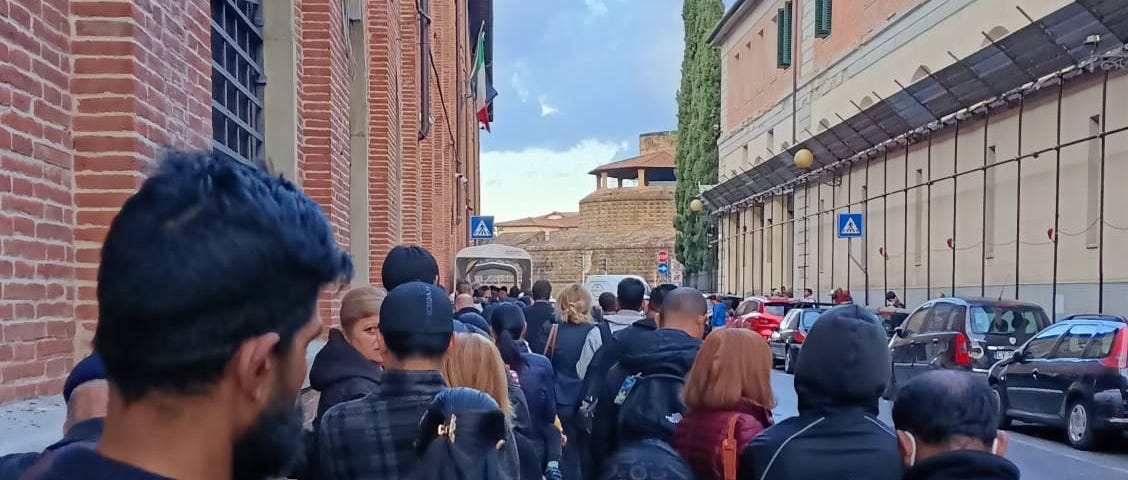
32,425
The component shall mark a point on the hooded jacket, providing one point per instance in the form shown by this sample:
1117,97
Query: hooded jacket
666,351
840,375
963,465
341,373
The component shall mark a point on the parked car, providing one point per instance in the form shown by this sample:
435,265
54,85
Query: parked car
1073,374
961,334
891,317
761,314
788,341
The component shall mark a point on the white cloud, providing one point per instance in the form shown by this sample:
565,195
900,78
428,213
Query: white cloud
546,108
518,83
535,181
597,7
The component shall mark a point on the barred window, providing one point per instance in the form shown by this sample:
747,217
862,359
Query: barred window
237,78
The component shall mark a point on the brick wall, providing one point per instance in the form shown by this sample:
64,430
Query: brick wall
657,141
561,267
627,209
91,89
387,84
325,120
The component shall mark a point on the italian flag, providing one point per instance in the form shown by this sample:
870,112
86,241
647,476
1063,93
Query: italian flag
482,90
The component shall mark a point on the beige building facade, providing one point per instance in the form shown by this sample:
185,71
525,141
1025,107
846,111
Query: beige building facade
979,139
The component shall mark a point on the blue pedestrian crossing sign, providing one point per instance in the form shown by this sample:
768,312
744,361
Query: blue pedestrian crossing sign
664,268
850,225
481,228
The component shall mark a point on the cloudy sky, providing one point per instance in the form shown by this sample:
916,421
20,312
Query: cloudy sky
578,80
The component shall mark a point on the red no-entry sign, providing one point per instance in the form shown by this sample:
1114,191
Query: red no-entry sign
663,256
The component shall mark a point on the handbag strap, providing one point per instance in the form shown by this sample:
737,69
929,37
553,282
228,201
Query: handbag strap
550,346
728,449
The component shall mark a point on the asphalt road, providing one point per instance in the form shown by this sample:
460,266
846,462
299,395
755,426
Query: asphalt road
1040,453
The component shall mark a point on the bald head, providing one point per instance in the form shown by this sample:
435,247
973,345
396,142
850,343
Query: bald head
463,300
684,309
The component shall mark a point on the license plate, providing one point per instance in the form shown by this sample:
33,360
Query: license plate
1003,355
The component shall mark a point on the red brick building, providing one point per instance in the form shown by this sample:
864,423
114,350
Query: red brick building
364,103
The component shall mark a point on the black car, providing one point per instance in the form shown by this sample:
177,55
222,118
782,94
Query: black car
1073,374
787,342
961,334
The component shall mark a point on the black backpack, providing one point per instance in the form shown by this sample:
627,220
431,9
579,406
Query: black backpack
650,407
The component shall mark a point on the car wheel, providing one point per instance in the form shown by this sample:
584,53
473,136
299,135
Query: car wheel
1001,402
789,360
1079,425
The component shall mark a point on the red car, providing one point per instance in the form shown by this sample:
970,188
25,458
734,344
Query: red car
761,314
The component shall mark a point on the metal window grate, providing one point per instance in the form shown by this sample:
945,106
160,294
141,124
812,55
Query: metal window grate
237,79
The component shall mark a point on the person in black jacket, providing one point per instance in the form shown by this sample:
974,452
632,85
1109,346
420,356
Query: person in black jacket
540,316
536,379
86,395
841,373
461,437
576,342
947,428
670,350
349,365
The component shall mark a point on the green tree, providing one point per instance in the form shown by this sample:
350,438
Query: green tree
699,118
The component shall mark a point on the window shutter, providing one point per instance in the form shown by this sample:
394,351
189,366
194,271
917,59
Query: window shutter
823,15
784,37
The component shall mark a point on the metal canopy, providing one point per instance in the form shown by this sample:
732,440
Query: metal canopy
1044,47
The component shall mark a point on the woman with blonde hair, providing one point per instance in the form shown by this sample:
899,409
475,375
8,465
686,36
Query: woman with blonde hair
350,364
728,394
474,362
571,346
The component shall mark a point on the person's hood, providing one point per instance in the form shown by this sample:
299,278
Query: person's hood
963,465
844,363
338,361
624,317
473,309
660,351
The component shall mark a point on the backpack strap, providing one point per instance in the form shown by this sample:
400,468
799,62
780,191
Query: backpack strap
550,347
728,449
605,335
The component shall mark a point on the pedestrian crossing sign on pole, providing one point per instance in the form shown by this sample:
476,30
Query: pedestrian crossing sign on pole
481,228
850,225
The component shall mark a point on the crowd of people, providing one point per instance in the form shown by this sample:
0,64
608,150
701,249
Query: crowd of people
208,288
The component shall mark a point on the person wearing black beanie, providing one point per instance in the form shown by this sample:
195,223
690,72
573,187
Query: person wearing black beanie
408,263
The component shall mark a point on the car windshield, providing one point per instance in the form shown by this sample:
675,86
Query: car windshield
809,317
1021,322
775,309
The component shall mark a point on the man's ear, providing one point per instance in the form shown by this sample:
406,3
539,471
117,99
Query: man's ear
905,444
1001,442
255,367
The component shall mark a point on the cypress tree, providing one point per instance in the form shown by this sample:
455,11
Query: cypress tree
699,116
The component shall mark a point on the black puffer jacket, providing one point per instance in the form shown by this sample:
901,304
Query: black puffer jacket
665,351
841,373
340,373
963,465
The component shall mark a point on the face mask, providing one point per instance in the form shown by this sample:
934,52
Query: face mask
913,451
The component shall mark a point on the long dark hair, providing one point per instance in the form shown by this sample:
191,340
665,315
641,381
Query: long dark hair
507,321
458,436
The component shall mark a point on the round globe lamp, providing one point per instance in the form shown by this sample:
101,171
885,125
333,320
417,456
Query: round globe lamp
696,206
804,159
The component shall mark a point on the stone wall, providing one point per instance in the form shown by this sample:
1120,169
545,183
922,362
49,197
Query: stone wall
566,266
628,209
653,142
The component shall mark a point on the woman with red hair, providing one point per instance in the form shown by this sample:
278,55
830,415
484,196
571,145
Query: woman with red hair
729,396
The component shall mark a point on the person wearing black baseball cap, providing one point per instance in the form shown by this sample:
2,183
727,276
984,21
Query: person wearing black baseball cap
373,436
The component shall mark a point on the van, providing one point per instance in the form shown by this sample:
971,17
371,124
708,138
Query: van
597,284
